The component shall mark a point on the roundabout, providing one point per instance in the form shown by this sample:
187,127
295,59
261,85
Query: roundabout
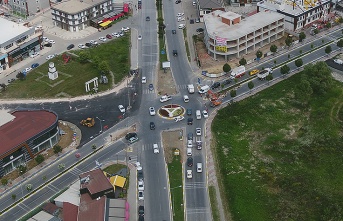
171,110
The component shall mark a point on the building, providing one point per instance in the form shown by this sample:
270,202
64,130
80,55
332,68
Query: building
76,15
207,6
239,3
24,134
17,43
299,13
27,7
229,36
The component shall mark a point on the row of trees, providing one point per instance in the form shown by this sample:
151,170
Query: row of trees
100,64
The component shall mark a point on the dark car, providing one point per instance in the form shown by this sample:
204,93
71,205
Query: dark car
200,30
140,175
174,53
34,65
177,1
190,136
215,85
227,81
189,112
141,218
190,161
10,80
88,44
109,36
71,46
173,31
141,210
147,18
190,121
151,87
152,126
48,45
130,135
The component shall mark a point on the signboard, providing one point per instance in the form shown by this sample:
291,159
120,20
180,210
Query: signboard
221,48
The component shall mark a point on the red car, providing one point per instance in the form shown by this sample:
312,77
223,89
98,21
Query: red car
109,36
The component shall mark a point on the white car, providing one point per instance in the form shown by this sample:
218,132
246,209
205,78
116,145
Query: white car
140,195
143,80
198,131
102,39
27,70
189,151
139,37
190,143
156,149
189,174
51,41
178,118
205,113
152,111
121,108
338,61
115,34
82,46
125,29
50,57
121,34
93,42
141,185
138,166
45,39
182,26
180,14
165,98
180,19
34,54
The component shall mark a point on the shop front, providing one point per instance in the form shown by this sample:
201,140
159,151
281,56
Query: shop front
23,52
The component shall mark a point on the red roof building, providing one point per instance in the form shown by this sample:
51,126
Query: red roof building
91,210
70,212
96,184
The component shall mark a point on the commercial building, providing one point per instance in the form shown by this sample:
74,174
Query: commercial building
24,134
299,13
229,36
17,42
206,7
76,15
27,7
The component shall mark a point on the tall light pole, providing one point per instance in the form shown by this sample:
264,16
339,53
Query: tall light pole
173,197
100,123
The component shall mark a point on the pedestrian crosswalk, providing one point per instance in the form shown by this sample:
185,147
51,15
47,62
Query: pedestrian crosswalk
147,91
195,185
149,147
197,210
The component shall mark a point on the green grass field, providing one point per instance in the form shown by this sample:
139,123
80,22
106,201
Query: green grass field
280,159
175,179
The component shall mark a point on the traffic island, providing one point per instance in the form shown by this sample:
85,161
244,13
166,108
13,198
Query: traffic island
171,110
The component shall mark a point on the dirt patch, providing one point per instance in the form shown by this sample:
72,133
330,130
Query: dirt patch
171,140
166,84
122,132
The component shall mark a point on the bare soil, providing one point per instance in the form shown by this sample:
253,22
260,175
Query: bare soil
165,84
171,140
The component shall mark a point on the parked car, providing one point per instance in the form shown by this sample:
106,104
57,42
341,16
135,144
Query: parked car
189,174
10,80
140,185
82,46
215,85
182,26
125,29
35,54
198,131
190,136
71,46
189,143
227,81
177,1
190,161
199,30
52,42
189,112
189,151
49,45
141,211
143,80
109,36
152,126
338,61
93,42
190,121
121,108
50,57
140,175
102,39
88,44
253,72
34,65
140,195
115,34
27,70
152,111
180,14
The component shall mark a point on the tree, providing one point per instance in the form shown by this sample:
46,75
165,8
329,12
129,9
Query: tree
312,46
302,36
303,91
44,178
84,56
22,169
288,41
29,187
243,61
300,51
251,85
275,61
315,31
14,196
57,149
104,67
4,181
323,41
269,78
289,56
226,68
259,54
61,166
298,62
328,49
93,146
284,70
233,93
39,158
273,48
340,44
328,25
319,76
96,61
21,76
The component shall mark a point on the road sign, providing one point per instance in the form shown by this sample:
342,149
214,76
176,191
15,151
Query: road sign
163,52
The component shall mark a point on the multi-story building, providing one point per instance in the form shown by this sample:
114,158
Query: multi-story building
17,42
76,15
299,13
206,7
229,36
27,7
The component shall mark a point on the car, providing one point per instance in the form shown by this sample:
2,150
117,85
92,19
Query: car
194,3
27,70
121,108
182,26
88,44
133,140
198,131
102,39
190,143
125,29
253,72
151,87
52,42
140,218
140,195
141,211
93,42
10,80
174,32
189,112
180,14
190,136
215,85
190,121
49,45
174,53
115,34
152,126
34,65
199,30
130,135
140,185
189,151
156,149
197,20
35,54
82,46
50,57
165,98
205,113
139,37
44,39
338,61
121,34
180,19
71,46
140,175
190,161
138,166
189,174
152,111
143,80
199,144
177,1
178,118
109,36
227,81
147,18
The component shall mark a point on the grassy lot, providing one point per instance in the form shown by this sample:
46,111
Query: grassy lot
279,158
214,206
114,168
175,179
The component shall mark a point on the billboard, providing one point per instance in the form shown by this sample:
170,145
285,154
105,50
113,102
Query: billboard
221,44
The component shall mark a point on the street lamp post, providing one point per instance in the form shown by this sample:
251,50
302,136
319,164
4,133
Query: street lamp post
173,197
100,124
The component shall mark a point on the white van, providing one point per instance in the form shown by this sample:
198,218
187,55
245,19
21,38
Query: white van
204,89
198,114
185,98
199,167
156,149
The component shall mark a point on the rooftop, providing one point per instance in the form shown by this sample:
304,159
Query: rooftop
91,210
97,181
215,27
210,4
13,29
25,125
75,6
71,195
70,212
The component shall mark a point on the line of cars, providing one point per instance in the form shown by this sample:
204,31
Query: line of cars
189,152
140,187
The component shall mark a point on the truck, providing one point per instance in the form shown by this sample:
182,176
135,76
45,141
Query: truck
263,74
190,88
165,98
204,89
237,72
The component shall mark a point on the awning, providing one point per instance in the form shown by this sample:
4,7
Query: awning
104,24
118,181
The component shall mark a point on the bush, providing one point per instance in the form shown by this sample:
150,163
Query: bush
57,149
4,181
39,159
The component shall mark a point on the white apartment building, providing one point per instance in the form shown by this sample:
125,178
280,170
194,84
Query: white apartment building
229,36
